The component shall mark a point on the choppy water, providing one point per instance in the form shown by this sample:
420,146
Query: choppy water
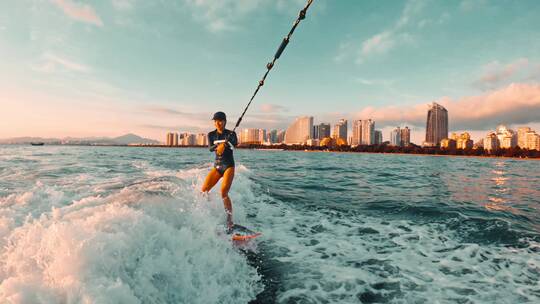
127,225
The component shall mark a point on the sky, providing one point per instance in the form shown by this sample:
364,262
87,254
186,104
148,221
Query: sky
111,67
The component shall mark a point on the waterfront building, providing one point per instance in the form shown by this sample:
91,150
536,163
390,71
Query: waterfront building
522,137
324,131
356,138
491,142
405,136
395,137
250,136
340,130
300,130
175,139
533,141
272,136
316,131
262,136
368,132
464,141
202,139
188,139
448,143
312,142
280,136
436,125
378,137
507,137
169,140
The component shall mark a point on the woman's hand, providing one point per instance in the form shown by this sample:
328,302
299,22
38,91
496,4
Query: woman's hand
220,148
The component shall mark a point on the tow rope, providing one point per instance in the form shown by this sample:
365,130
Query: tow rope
270,65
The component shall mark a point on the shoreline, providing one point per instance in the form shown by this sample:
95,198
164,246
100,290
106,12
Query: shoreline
296,150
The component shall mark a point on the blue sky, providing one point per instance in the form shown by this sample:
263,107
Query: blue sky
104,68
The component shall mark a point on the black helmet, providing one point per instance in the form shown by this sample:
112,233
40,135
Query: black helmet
219,116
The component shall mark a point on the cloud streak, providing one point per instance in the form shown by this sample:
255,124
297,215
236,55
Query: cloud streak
51,63
516,103
80,12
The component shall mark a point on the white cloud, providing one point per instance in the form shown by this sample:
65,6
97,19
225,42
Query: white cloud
80,12
388,39
52,63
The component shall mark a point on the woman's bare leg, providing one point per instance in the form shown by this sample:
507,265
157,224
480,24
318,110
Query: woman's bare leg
228,177
211,180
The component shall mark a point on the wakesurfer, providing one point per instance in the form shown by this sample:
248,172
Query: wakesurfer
222,141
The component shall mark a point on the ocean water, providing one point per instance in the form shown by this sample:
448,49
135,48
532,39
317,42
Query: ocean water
128,225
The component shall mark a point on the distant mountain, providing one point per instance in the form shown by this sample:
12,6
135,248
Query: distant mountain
133,139
120,140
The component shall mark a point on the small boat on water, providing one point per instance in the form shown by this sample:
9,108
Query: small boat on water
37,143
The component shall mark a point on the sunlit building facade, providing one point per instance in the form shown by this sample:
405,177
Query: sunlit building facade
299,131
324,131
491,142
202,139
464,141
368,132
522,137
356,137
533,141
340,130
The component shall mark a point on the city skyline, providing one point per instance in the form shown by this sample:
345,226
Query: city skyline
84,69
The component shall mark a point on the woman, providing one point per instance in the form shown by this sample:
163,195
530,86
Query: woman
222,142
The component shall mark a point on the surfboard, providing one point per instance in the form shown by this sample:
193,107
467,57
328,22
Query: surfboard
241,233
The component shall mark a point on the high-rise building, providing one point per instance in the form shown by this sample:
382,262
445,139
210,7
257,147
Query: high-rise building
262,136
356,133
522,137
507,137
378,137
464,141
202,139
368,132
169,139
300,130
436,125
533,141
405,136
491,142
280,136
395,137
175,139
340,130
272,136
316,131
188,139
324,130
250,136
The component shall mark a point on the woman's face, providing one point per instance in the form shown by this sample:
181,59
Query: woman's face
220,124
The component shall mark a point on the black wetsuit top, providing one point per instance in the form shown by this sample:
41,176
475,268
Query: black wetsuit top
225,160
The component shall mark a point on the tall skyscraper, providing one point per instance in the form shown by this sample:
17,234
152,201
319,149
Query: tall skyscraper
175,139
395,137
378,137
324,130
533,140
405,136
368,132
340,130
436,125
300,130
356,133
